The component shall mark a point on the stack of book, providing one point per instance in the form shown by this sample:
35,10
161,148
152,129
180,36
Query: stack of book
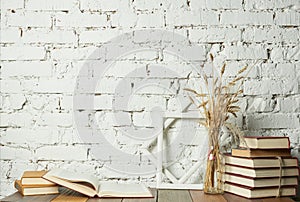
263,167
47,182
32,183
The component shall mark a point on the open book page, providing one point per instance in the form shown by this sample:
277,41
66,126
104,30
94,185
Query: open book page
112,189
75,177
82,183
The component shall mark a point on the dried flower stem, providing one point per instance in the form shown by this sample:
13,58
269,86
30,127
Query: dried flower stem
216,107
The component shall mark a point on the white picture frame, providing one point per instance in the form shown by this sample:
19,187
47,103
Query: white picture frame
167,120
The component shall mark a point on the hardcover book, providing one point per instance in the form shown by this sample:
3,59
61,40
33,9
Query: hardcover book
35,178
252,153
267,162
28,190
250,192
261,172
266,142
89,185
259,182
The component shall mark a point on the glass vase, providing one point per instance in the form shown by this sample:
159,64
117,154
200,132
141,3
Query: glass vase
213,175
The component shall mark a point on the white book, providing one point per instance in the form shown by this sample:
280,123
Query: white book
89,185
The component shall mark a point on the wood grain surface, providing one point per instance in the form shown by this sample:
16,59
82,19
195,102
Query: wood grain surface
159,196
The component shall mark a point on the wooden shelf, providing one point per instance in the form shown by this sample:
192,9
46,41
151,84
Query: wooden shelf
165,195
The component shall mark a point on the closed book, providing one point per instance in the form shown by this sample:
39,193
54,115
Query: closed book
265,142
35,178
252,153
259,182
250,192
261,172
28,190
267,162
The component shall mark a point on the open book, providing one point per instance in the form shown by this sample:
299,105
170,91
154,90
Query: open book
89,185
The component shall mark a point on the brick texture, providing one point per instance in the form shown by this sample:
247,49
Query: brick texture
49,47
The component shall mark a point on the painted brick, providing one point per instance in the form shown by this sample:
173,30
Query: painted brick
60,152
277,54
48,36
23,53
132,69
34,137
67,69
125,19
272,121
214,35
287,18
215,4
98,36
142,119
191,18
11,35
102,5
75,53
27,68
232,68
10,152
151,5
268,86
109,85
153,20
289,104
45,102
107,120
297,68
51,5
17,119
280,70
29,19
139,103
54,86
101,102
13,101
271,35
260,104
189,52
245,52
12,4
126,51
246,18
270,4
55,119
81,20
293,53
11,86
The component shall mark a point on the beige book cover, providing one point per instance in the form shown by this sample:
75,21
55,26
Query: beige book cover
28,190
35,178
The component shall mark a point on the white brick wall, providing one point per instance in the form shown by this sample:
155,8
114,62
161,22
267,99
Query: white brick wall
29,19
14,53
51,5
45,43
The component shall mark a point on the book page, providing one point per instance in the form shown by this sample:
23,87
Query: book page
74,177
112,189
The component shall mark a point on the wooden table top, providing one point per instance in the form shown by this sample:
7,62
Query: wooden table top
159,196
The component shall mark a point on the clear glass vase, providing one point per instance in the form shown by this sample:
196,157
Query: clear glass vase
212,180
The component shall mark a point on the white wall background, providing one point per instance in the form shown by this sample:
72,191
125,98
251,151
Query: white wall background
44,43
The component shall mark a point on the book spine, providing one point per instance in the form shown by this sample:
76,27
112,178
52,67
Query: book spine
19,188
